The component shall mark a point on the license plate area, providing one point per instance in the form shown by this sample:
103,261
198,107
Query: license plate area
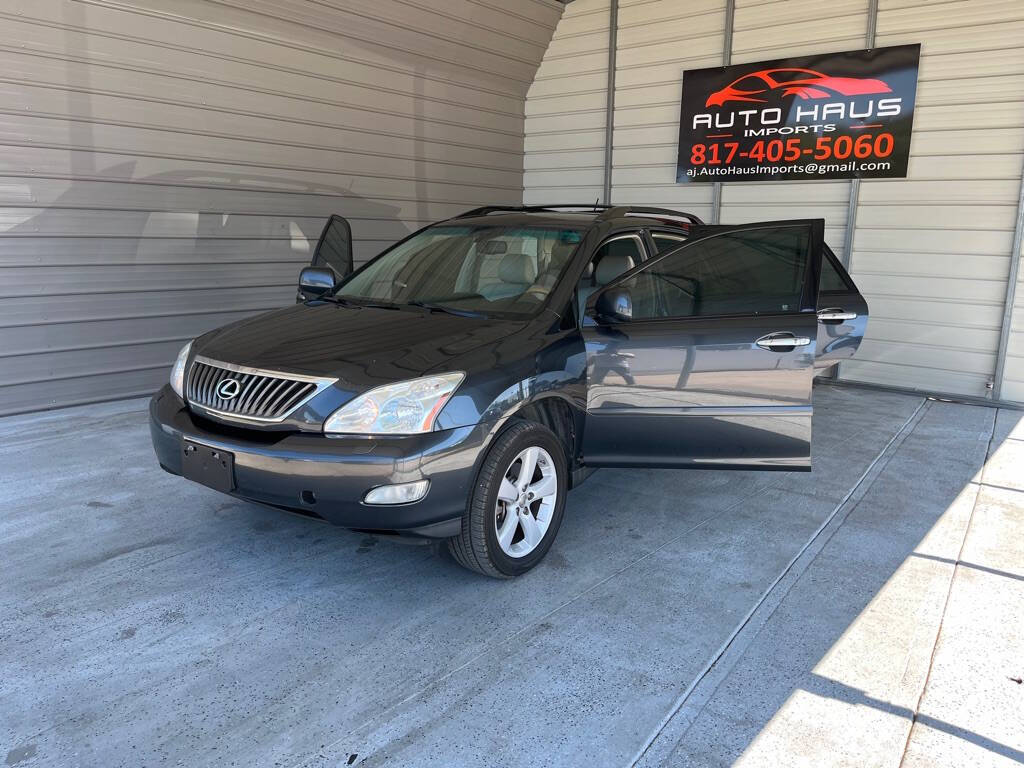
211,467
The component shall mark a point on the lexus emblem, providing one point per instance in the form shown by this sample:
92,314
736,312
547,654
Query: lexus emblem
228,389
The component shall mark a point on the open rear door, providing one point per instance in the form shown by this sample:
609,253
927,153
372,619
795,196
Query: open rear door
334,249
703,356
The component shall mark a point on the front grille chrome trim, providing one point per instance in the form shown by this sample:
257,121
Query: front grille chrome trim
262,391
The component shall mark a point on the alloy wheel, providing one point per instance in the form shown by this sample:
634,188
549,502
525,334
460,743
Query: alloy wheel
526,502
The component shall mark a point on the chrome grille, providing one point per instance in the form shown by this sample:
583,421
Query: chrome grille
262,396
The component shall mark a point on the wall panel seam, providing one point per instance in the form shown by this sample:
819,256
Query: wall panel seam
497,30
1009,302
193,105
254,164
327,53
343,195
234,31
251,140
135,69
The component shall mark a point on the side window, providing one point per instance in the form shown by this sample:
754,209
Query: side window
625,252
617,255
666,241
755,271
831,280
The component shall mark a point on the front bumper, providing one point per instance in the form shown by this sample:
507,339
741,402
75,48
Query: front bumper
287,469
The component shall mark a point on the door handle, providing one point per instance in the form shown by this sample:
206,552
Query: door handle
782,341
834,314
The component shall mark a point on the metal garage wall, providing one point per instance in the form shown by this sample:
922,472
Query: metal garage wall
565,110
166,165
1013,370
771,30
931,252
566,106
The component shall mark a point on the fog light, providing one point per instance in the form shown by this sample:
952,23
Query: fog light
397,494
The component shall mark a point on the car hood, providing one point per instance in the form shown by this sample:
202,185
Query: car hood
361,346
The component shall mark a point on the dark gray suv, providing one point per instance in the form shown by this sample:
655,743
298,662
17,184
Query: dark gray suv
458,385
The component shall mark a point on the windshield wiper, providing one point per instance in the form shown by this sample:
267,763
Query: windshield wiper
346,302
334,300
442,308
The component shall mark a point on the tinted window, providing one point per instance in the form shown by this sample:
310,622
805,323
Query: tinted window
624,251
831,280
749,272
664,241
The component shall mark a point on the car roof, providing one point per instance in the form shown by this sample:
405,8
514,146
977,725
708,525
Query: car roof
522,218
577,217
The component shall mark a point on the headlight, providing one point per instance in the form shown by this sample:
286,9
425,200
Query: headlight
178,371
405,408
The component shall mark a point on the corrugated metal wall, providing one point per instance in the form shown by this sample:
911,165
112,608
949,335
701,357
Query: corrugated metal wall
789,28
166,165
934,251
1013,372
931,252
565,110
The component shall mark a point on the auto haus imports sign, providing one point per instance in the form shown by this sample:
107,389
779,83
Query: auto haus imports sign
830,116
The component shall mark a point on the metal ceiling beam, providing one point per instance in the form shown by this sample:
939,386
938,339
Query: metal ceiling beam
1012,279
851,209
730,16
609,118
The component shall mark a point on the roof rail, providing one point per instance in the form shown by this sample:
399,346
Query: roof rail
486,209
627,210
606,211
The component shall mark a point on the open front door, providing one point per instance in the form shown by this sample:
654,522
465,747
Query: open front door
703,357
334,249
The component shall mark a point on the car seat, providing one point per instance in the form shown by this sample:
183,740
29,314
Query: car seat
516,272
608,267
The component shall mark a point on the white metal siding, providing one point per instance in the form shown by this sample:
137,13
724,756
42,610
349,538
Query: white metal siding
565,110
772,30
1013,372
657,41
166,165
931,252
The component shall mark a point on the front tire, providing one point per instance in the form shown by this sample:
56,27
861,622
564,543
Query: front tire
517,505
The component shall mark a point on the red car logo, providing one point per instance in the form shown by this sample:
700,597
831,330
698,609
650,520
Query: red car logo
805,83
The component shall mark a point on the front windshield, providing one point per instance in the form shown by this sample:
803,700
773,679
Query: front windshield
491,270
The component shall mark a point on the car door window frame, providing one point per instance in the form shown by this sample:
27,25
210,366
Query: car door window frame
678,237
837,266
808,294
645,256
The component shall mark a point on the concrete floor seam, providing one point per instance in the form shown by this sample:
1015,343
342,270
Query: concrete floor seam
536,621
949,592
905,429
214,663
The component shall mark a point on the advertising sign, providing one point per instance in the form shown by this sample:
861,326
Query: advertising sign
829,116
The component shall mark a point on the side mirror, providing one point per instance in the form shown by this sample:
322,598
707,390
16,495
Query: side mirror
334,248
614,304
314,282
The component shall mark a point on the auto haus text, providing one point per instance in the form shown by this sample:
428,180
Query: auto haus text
801,118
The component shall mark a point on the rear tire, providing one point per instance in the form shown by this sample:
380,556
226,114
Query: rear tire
512,519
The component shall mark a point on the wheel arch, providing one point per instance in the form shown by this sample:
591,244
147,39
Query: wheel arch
558,415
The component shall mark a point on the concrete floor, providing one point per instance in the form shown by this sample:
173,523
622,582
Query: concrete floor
869,613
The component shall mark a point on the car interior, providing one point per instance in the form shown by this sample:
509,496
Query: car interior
613,258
